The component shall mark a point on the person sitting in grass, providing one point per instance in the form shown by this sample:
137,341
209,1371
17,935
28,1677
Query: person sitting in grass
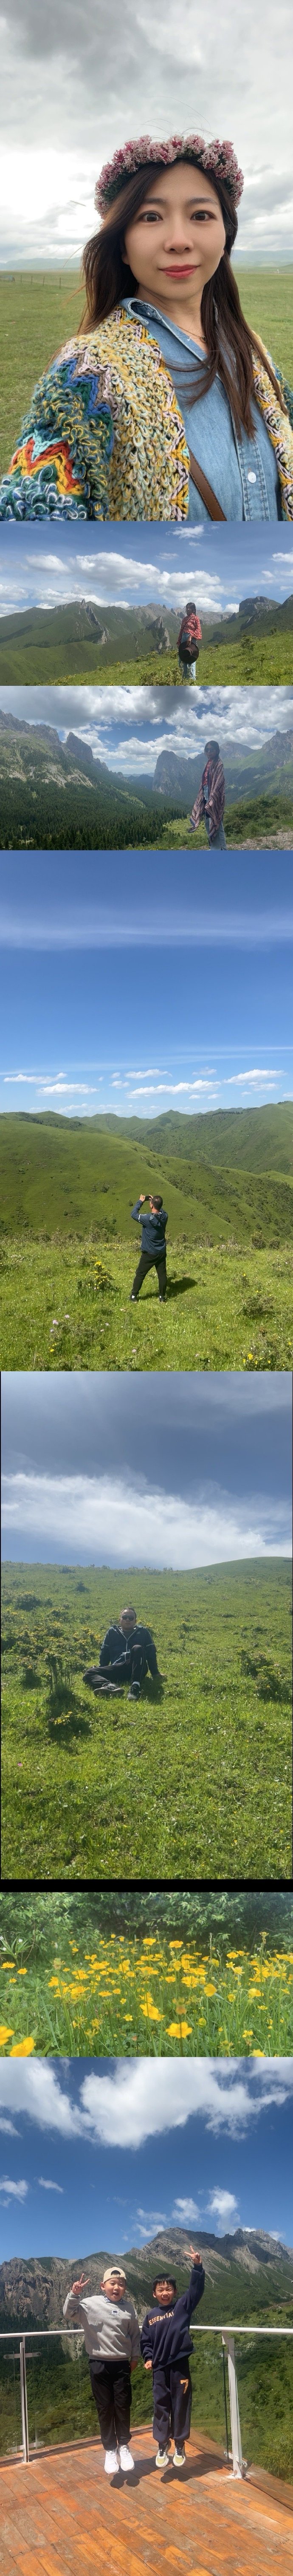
153,1252
111,2334
165,2344
188,642
211,798
127,1654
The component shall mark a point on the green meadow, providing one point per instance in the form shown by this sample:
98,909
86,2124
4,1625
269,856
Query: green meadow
40,311
226,1307
67,1260
266,658
254,659
194,1780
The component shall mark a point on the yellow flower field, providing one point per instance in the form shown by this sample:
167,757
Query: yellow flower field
146,1997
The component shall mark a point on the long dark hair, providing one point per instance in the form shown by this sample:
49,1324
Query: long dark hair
229,339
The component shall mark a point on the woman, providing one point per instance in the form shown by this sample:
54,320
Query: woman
188,642
210,802
165,405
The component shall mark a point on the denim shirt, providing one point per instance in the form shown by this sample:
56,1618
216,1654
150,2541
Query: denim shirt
242,471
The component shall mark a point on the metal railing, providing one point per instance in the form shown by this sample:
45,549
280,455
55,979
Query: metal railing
26,2450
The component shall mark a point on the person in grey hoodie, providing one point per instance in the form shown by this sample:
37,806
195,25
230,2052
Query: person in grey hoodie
112,2342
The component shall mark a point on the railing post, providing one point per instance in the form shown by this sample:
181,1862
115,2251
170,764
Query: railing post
23,2401
238,2468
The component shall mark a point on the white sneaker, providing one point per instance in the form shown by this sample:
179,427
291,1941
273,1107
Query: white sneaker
111,2464
126,2460
162,2458
179,2461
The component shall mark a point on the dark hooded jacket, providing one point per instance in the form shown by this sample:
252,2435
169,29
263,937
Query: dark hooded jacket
115,1644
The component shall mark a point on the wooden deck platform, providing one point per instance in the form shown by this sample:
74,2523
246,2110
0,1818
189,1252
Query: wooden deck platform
61,2516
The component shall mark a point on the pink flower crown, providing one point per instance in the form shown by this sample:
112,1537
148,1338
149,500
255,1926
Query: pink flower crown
218,158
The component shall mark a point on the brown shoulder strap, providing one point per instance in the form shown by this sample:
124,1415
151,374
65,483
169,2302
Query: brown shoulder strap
205,489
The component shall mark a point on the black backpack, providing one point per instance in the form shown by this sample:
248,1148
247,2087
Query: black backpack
188,652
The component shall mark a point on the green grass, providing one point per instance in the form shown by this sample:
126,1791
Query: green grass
255,823
194,1781
225,1308
40,312
267,658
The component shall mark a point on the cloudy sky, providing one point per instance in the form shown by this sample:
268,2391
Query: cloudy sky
127,728
76,84
113,998
168,1471
124,2147
135,566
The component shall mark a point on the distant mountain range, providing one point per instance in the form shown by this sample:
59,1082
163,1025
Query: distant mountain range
33,756
96,633
243,2273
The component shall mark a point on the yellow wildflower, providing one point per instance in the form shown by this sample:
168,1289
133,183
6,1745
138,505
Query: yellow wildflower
5,2033
211,1990
179,2030
23,2048
150,2010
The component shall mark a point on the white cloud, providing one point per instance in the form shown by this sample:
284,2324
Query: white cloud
184,2212
222,2206
147,2098
49,2186
13,2190
33,2087
128,1524
9,2126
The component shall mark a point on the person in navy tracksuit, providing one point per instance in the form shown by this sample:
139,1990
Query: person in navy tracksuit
165,2344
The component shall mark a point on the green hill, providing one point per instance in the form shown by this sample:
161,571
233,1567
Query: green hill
85,638
219,1174
256,1139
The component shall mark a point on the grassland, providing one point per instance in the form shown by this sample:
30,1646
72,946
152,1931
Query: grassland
194,1780
266,658
40,312
254,823
226,1308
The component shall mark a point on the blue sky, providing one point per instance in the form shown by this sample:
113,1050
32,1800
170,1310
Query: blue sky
159,1471
127,728
129,2147
138,990
132,566
75,89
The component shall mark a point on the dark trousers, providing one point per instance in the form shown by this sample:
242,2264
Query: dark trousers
129,1668
216,839
111,2386
172,2403
148,1262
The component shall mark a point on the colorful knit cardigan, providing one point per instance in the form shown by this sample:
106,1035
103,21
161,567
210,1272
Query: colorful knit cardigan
104,437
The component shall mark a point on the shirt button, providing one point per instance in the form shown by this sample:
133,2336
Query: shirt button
251,478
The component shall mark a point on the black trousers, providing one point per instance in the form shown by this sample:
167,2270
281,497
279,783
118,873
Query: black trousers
111,2386
172,2403
148,1262
129,1668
